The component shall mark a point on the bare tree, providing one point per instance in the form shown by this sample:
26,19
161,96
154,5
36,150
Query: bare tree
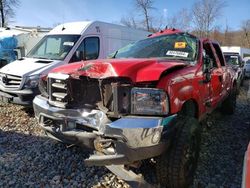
7,10
129,21
181,20
228,37
205,13
144,6
143,17
246,32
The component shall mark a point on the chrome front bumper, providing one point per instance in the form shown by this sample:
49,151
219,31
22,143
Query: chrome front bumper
122,141
72,126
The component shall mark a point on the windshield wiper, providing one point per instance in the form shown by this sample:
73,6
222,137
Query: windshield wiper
115,54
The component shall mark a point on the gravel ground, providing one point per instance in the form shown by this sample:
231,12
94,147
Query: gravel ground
28,158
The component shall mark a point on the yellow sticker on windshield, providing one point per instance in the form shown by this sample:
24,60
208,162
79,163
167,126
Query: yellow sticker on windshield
180,45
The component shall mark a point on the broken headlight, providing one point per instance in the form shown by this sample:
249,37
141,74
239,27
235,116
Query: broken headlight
149,101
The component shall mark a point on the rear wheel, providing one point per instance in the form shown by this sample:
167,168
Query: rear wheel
229,105
175,167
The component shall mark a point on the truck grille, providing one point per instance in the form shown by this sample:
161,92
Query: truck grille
85,92
10,81
58,95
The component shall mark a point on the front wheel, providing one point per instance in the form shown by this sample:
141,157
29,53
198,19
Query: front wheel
175,167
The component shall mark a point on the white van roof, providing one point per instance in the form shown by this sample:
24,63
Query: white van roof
70,28
114,30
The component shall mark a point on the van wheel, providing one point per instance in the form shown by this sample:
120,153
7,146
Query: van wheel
175,167
229,105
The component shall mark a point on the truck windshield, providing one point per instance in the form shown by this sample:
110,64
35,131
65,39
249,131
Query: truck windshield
54,47
175,46
232,59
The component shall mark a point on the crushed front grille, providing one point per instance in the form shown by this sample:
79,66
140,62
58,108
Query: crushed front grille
110,95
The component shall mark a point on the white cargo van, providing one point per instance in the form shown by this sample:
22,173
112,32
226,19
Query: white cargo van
66,43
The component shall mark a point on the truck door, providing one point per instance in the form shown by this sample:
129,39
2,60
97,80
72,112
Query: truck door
226,78
214,86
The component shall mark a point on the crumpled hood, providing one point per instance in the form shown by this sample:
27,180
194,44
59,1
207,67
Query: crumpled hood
25,67
138,70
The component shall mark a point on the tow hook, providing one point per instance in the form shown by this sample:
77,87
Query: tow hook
104,145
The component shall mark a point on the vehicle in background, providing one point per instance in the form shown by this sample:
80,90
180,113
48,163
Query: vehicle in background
247,67
243,52
66,43
143,105
246,169
17,41
235,60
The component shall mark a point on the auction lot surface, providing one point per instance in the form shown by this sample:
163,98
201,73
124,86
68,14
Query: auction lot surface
29,159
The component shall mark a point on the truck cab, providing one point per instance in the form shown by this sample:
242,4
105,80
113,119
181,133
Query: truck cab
64,44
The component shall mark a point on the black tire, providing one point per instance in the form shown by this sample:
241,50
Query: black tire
175,167
229,105
242,81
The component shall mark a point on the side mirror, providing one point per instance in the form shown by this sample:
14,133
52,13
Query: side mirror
207,65
242,63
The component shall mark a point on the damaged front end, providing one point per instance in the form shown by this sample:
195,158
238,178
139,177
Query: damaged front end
123,121
131,139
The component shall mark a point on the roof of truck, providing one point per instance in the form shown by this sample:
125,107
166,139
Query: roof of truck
168,32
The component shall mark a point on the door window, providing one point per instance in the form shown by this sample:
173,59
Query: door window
219,54
87,50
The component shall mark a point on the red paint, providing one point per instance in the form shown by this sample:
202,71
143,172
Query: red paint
138,70
179,79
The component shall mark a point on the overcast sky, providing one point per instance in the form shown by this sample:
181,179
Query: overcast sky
48,13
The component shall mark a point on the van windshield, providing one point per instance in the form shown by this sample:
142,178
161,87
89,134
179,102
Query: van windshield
175,46
54,47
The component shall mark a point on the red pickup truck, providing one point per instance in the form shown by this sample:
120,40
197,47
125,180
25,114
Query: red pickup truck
144,103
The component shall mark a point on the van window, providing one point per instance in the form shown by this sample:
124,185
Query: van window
54,47
88,49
